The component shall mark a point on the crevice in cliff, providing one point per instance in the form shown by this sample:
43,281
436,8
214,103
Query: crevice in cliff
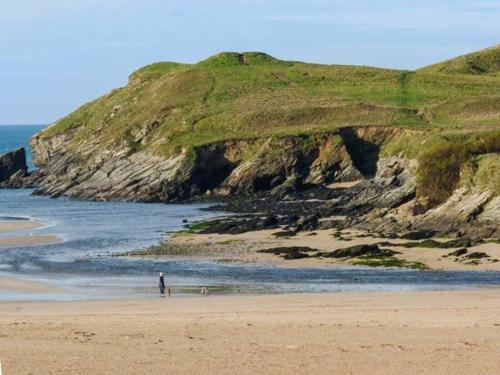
212,168
364,154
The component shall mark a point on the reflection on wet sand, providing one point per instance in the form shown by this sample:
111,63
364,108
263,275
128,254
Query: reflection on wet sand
12,284
11,225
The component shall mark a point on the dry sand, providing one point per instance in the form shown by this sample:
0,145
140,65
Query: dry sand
379,334
244,248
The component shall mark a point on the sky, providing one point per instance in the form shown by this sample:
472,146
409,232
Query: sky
56,55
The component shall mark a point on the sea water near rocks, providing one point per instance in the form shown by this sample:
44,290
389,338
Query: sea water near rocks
15,136
84,268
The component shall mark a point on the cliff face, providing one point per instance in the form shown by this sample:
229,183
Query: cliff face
472,209
274,164
13,167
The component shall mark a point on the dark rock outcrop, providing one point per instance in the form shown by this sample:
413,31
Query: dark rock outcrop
357,251
13,168
392,186
279,165
290,253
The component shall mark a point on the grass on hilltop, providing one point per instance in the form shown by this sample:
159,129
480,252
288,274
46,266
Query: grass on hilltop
486,61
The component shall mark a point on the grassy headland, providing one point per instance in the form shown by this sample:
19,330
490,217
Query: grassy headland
169,107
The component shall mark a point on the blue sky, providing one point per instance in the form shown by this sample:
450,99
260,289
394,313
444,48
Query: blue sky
58,54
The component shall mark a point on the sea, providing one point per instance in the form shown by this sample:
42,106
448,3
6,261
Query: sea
83,265
15,136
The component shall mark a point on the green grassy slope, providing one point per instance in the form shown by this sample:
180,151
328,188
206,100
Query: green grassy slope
234,95
484,62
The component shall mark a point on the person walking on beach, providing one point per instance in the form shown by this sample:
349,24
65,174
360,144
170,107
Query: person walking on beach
162,283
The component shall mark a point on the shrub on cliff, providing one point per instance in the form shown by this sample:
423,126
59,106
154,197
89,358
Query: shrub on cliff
440,167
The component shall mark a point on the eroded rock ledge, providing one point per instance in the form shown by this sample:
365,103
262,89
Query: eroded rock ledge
236,167
295,176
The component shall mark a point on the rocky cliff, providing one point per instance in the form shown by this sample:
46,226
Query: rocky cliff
472,209
274,164
13,168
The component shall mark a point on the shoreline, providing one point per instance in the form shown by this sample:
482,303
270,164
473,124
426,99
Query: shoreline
14,224
24,285
214,300
12,227
16,288
442,333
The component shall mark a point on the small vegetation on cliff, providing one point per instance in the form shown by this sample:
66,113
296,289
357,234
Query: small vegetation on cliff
442,165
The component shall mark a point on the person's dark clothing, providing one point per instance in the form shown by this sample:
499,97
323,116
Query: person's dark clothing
162,285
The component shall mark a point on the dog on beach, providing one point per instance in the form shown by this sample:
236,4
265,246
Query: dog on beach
204,291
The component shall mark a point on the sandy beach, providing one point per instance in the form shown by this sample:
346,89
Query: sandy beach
8,228
245,248
433,333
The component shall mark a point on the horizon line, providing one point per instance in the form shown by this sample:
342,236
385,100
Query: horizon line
2,124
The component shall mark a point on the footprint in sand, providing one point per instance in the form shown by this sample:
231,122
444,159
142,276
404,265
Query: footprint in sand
83,337
468,344
397,347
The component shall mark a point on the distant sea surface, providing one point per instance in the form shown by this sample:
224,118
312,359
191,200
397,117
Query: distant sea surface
84,268
15,136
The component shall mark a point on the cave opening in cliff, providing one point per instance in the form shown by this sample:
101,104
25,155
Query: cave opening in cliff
364,154
212,168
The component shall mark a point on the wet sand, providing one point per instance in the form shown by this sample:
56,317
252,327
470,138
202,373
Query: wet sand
435,333
17,225
24,241
8,229
24,286
244,248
